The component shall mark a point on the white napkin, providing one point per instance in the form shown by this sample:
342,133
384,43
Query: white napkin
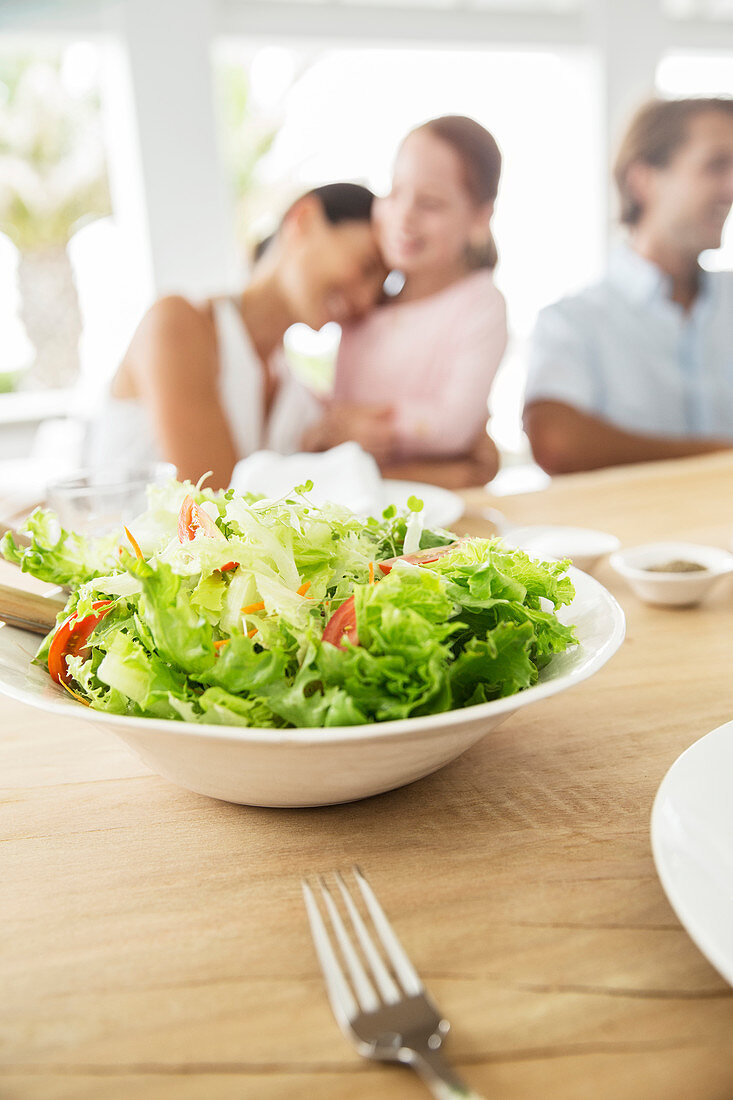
344,475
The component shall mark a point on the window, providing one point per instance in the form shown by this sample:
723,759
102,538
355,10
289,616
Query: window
53,184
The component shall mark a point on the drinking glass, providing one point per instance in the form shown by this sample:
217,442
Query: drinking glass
95,502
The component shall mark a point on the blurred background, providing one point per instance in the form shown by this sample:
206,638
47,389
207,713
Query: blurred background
146,146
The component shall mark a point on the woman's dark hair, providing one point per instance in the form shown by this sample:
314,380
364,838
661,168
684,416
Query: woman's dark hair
340,202
344,202
657,130
481,162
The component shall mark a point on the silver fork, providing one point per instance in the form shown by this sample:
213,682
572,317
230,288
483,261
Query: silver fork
396,1021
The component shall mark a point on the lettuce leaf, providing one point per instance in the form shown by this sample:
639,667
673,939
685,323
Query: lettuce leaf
58,556
188,639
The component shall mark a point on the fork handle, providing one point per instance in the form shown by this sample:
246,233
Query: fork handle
439,1076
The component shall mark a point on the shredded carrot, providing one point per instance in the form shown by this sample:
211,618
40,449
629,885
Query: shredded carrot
371,572
74,693
218,645
251,633
135,544
251,607
304,588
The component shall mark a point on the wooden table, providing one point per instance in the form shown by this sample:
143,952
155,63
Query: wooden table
154,942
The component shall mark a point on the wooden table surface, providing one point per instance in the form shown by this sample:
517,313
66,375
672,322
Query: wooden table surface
154,942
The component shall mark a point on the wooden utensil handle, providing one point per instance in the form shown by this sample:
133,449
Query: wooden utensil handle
28,610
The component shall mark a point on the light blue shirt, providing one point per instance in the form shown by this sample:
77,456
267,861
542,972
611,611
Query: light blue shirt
623,351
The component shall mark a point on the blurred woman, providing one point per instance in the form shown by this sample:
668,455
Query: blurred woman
413,378
205,384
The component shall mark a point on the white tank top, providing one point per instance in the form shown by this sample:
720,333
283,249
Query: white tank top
124,428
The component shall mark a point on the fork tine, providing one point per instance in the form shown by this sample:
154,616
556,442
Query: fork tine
389,991
399,958
342,1001
365,994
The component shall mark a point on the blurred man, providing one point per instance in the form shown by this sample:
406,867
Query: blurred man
640,366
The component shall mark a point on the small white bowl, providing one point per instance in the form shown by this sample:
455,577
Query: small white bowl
582,545
671,589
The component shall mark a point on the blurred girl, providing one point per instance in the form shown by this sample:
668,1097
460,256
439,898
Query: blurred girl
413,378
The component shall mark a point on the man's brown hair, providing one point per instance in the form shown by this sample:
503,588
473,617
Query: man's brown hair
656,132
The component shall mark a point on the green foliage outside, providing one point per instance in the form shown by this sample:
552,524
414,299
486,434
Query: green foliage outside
247,137
52,171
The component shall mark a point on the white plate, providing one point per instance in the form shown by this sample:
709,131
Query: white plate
583,546
442,507
692,842
314,767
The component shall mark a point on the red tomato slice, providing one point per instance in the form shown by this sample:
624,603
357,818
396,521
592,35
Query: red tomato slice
342,624
192,518
421,557
185,527
71,637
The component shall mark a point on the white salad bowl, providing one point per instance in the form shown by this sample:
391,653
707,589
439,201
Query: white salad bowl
317,767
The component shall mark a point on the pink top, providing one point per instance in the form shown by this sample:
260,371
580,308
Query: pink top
433,360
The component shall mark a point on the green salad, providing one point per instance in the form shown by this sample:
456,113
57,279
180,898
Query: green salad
224,608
